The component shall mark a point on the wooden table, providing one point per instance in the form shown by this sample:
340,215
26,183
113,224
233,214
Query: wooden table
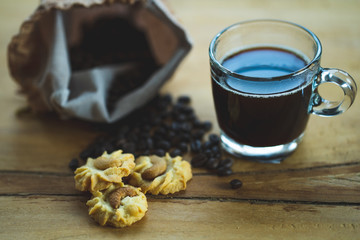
314,194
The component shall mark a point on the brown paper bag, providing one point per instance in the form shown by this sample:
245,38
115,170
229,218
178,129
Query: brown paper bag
96,60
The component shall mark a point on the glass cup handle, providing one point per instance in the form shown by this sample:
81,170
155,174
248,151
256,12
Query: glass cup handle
323,107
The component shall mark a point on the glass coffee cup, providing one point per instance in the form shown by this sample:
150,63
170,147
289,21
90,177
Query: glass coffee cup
265,76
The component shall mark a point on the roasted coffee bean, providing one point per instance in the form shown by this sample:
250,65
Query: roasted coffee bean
236,183
215,139
212,163
217,155
160,131
142,145
150,143
146,152
166,126
185,137
183,146
109,147
191,117
184,99
164,115
195,146
120,142
167,98
227,163
119,135
132,137
170,135
146,128
156,121
187,110
74,164
163,102
157,138
215,149
145,144
207,125
124,129
144,134
176,126
198,134
129,147
199,160
161,105
163,144
177,108
224,171
206,145
197,123
176,140
181,117
208,153
175,152
159,152
185,127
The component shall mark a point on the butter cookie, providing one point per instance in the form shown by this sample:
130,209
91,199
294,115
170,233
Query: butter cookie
118,206
160,175
100,173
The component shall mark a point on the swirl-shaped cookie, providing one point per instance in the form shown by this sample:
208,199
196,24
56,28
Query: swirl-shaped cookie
118,206
98,174
160,175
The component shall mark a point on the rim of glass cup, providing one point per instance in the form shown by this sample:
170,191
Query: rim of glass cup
236,75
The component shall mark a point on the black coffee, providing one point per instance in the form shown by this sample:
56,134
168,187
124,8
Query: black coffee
262,112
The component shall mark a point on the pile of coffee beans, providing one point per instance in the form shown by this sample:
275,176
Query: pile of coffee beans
163,125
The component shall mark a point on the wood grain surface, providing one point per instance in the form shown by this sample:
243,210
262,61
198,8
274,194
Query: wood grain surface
313,194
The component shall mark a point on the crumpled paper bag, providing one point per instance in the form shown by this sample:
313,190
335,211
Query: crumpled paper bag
96,60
